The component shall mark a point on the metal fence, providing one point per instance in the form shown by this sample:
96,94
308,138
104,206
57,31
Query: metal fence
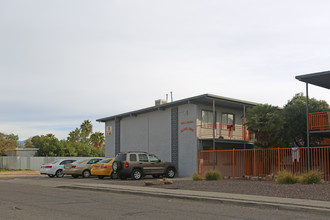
27,163
319,121
256,162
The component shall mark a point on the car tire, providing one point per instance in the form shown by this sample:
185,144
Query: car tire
51,176
86,174
75,176
59,173
170,172
136,174
100,177
156,176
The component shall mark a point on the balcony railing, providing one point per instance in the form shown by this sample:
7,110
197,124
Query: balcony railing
319,121
223,131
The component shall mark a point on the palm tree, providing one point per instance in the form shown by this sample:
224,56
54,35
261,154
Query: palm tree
97,139
86,129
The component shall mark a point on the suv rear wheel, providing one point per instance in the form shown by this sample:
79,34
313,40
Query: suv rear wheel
137,174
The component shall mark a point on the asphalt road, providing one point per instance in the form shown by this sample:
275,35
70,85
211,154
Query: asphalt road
38,198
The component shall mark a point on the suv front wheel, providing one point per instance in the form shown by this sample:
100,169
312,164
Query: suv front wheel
170,172
137,174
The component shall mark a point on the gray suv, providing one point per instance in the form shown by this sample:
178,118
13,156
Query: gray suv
137,164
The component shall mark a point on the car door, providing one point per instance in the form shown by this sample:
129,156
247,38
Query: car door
156,166
144,162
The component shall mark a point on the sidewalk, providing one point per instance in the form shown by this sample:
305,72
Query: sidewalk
226,198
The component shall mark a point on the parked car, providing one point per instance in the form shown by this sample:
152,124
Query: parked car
55,168
80,167
138,164
103,168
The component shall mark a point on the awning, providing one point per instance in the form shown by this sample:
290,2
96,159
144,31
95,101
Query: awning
321,79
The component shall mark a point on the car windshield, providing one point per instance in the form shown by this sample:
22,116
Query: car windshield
106,160
56,161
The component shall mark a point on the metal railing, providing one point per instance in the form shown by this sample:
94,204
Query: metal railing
256,162
223,131
319,121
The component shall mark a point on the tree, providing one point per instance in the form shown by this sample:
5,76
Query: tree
81,134
294,112
86,128
48,145
28,143
97,139
74,136
266,122
8,143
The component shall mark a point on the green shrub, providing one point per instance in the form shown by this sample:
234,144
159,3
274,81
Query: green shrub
5,169
213,175
285,177
196,177
311,177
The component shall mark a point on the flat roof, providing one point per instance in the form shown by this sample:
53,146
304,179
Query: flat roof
201,99
321,79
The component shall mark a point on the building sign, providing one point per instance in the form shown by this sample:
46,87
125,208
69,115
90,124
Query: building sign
109,130
187,126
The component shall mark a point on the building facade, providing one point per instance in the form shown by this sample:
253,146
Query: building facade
176,131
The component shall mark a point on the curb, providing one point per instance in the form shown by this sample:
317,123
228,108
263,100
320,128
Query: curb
240,202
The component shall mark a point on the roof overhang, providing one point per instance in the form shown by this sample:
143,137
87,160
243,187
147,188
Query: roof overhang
206,99
321,79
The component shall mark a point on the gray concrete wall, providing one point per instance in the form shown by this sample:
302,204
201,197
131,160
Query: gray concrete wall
150,132
28,163
188,153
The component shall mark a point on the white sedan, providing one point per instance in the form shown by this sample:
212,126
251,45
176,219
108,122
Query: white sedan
55,168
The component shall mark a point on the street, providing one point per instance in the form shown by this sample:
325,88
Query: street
20,198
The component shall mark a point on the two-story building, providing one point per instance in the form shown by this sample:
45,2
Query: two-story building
177,130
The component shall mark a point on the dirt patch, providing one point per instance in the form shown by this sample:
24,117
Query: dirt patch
19,173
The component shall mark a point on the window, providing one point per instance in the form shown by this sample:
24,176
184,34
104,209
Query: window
121,157
153,158
106,160
207,119
227,119
92,161
143,158
132,157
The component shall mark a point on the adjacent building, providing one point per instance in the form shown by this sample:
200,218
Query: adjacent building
177,130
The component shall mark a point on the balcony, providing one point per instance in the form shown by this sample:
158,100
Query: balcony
222,131
319,121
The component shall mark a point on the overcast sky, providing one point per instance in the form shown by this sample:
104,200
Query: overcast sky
62,62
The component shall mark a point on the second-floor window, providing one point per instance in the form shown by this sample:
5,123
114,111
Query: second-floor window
227,119
207,119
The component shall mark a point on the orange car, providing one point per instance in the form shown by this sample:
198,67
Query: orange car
103,168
